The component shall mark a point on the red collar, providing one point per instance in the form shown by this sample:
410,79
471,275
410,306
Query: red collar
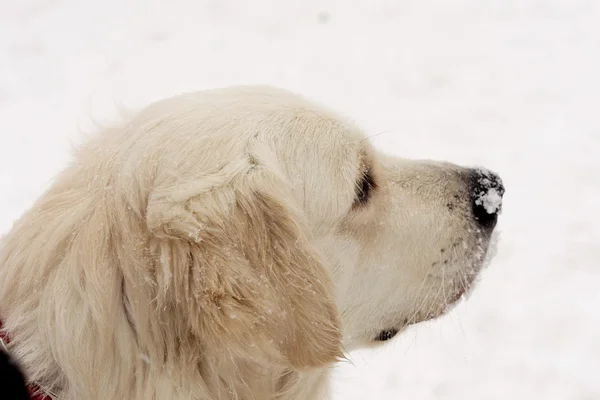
34,391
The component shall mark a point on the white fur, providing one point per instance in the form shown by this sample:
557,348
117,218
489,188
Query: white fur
209,248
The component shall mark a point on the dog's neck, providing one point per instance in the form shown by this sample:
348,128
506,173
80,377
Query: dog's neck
233,380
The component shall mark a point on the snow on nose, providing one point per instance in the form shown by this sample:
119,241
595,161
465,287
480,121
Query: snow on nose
486,196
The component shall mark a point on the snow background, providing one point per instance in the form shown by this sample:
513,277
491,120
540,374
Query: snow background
512,85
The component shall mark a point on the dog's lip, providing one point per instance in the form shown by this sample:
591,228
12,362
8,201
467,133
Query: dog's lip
459,293
462,291
464,283
444,309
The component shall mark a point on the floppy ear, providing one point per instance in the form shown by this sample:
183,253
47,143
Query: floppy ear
232,256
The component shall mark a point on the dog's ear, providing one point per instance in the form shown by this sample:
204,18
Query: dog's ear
233,257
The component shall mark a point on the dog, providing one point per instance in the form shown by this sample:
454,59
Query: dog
233,243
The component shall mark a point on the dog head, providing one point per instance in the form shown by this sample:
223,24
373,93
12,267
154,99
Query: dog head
270,180
221,234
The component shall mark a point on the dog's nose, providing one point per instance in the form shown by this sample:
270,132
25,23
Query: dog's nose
486,196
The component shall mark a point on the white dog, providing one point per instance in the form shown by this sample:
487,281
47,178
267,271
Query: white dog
233,244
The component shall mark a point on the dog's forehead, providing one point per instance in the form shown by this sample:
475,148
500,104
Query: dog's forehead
306,138
323,158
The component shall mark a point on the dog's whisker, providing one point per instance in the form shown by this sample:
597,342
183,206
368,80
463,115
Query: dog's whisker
377,134
425,279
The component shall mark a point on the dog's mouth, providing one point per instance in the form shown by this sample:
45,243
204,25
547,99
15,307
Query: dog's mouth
442,306
460,283
428,313
447,305
456,282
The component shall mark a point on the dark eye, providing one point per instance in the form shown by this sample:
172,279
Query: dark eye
386,335
364,187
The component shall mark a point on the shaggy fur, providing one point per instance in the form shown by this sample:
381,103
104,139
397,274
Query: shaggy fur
190,252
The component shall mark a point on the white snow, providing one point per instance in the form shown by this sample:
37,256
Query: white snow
489,191
490,199
511,85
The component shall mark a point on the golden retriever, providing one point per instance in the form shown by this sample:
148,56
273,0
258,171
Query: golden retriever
233,244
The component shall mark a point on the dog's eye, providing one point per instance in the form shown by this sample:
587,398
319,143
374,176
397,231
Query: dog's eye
386,335
364,187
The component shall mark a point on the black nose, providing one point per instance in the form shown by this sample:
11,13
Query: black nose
486,196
